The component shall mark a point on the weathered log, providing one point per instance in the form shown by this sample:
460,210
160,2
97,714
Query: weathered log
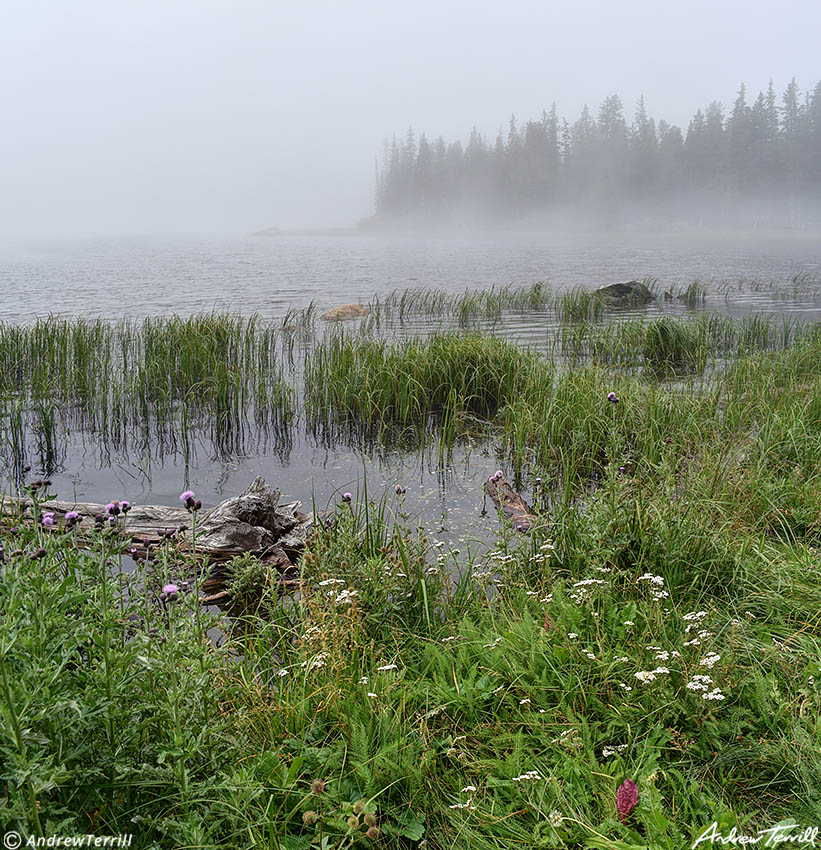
512,505
253,522
345,312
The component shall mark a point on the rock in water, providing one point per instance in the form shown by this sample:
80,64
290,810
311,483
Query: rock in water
345,312
631,293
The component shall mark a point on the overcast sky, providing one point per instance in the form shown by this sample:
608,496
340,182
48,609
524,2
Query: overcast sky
163,116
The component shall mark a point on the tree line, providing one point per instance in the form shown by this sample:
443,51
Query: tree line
759,161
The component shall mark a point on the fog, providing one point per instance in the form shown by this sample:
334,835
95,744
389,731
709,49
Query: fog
228,117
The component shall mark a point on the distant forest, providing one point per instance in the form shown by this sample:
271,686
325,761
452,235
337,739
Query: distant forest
758,162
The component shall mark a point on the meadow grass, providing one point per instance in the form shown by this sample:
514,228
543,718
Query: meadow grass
661,625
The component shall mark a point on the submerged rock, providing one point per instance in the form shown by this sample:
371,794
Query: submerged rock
345,312
628,294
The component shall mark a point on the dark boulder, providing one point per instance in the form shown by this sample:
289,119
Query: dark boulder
631,293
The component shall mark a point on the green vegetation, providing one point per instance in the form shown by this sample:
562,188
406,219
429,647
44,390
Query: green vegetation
660,624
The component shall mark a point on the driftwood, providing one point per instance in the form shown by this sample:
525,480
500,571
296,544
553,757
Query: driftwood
345,312
512,505
253,522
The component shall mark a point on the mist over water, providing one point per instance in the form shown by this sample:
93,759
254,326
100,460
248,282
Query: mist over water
272,274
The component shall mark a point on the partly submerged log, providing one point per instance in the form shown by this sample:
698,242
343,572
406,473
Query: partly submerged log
631,293
344,312
253,522
512,505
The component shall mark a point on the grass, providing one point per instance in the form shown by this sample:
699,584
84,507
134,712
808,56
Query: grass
494,698
158,382
489,699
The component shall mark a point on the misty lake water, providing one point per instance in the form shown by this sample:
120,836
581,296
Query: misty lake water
270,275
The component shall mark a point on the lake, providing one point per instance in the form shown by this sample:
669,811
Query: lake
270,275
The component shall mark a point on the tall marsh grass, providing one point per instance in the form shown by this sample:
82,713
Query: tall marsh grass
217,374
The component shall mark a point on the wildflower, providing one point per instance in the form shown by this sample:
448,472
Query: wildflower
282,673
524,701
525,777
399,489
318,661
629,623
385,667
572,635
373,832
468,804
645,676
714,694
499,475
353,822
328,581
623,659
468,788
310,817
694,616
372,695
626,798
491,645
318,786
612,751
555,818
47,520
125,507
346,497
189,499
346,597
370,819
611,396
72,517
113,509
589,654
625,687
709,660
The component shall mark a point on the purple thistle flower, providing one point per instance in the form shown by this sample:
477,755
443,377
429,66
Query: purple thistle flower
399,489
187,495
72,516
611,396
125,507
47,519
170,588
626,798
499,474
346,497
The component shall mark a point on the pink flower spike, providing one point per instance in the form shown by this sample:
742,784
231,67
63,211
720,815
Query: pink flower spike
626,798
